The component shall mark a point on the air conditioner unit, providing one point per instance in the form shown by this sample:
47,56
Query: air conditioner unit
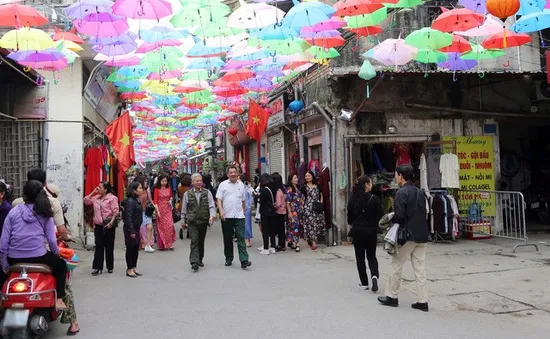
542,90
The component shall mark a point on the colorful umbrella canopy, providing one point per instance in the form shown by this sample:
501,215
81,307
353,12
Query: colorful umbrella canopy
16,15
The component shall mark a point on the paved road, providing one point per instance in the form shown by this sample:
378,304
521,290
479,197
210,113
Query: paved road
293,295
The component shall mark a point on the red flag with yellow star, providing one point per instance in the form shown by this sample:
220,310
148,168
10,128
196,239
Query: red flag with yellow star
257,120
119,133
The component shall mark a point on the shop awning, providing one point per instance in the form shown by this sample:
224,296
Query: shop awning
30,75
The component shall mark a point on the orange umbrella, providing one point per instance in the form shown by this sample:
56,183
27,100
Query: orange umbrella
327,42
16,15
506,40
366,31
356,7
459,45
67,36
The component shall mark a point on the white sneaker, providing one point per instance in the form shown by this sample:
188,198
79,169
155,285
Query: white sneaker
362,287
261,248
265,252
272,250
149,249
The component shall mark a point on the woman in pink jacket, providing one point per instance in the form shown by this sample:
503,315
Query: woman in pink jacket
280,209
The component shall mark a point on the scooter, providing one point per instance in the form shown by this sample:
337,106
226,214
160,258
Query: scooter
28,299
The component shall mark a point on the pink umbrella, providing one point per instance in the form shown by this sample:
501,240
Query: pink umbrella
120,62
101,25
164,76
149,47
394,52
46,65
333,23
142,9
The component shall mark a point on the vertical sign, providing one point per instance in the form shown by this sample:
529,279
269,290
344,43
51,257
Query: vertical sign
277,110
476,172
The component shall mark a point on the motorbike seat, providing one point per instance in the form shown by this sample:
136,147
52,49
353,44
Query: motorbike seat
31,268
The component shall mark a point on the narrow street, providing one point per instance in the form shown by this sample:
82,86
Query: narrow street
294,295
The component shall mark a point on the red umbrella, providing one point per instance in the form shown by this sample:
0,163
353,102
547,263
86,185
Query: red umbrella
294,65
459,45
458,19
239,75
186,89
356,7
366,31
133,96
506,40
16,15
69,36
327,42
229,91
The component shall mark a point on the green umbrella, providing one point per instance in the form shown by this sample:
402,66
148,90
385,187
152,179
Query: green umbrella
405,4
364,20
212,5
427,38
286,47
428,56
195,18
200,74
217,29
322,53
166,58
480,53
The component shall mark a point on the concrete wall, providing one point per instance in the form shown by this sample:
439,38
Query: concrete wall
64,140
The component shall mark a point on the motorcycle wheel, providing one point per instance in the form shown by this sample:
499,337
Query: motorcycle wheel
543,216
21,333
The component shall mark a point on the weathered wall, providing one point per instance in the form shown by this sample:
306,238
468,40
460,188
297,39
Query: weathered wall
65,145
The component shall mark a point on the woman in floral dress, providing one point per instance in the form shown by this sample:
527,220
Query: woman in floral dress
294,205
313,221
165,222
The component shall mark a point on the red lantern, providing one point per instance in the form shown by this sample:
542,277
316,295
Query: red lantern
233,131
502,9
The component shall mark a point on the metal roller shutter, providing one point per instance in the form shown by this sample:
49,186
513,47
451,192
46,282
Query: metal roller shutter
275,149
252,159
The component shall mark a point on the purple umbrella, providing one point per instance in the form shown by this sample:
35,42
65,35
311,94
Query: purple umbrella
101,25
183,109
257,84
143,9
455,63
478,6
81,9
270,73
320,34
118,48
125,37
232,65
36,56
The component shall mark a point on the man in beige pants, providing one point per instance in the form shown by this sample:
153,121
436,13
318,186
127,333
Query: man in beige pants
410,213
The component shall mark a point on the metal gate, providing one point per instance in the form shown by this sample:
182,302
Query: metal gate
275,149
20,151
252,159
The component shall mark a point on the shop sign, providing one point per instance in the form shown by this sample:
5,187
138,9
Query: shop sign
476,173
31,102
101,95
277,109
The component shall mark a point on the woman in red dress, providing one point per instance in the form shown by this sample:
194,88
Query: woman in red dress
165,224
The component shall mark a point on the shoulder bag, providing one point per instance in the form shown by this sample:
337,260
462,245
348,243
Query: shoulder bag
318,206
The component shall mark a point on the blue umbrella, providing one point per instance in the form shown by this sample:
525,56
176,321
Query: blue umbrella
261,54
201,50
127,37
531,6
274,32
161,32
133,72
166,100
307,14
532,22
205,63
133,84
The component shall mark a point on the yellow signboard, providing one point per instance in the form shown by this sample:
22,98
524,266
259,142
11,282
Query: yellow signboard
476,173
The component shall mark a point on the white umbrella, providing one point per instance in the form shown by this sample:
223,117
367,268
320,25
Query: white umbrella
256,15
394,52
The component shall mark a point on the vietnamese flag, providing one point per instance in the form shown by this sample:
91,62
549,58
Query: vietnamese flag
257,120
119,133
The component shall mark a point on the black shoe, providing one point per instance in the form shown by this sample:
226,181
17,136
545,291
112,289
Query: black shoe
195,267
201,264
374,284
280,249
420,306
96,272
228,263
110,271
181,233
388,301
138,274
131,275
245,264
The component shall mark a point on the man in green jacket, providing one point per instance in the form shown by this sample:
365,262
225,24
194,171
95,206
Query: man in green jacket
198,211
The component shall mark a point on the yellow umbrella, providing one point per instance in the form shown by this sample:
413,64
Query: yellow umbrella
70,45
25,39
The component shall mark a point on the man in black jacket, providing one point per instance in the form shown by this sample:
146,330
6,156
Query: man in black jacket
410,213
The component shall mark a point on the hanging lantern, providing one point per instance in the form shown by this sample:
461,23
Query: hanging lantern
219,133
232,131
296,106
503,9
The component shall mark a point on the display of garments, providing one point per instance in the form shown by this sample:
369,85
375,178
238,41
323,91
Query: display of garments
423,173
301,173
294,162
324,182
402,156
448,167
94,166
456,214
314,166
432,165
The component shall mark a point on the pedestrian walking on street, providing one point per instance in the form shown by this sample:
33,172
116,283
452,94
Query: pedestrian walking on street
133,219
184,186
199,211
313,218
231,199
106,208
280,208
165,222
410,213
5,205
295,205
146,229
248,211
268,215
364,212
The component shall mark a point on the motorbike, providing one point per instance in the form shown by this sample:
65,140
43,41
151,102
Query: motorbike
537,207
29,297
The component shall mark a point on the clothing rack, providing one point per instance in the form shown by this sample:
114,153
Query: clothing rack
437,236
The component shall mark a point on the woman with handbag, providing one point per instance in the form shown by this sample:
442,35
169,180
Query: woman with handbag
165,218
364,212
313,216
146,229
268,214
105,205
133,219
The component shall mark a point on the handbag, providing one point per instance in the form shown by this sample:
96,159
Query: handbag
149,210
175,215
318,206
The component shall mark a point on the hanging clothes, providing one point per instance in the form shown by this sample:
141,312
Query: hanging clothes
301,173
448,166
432,164
105,169
456,215
94,164
121,184
314,166
402,156
423,173
324,182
